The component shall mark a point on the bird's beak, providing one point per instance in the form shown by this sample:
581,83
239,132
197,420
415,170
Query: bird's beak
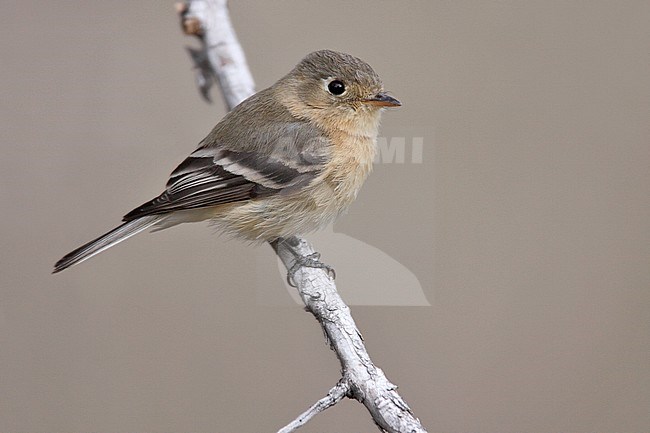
382,100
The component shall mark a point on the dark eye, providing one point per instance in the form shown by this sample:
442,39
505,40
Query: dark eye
336,87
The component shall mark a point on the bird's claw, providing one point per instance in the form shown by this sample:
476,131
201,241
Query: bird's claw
310,261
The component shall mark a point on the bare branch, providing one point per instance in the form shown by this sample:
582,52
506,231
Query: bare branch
368,384
210,21
362,380
335,395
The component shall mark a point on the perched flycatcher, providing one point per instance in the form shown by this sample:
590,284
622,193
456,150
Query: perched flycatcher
284,162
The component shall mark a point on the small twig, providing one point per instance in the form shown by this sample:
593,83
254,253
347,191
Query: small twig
335,395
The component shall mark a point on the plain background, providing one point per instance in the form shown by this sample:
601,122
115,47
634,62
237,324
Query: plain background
527,223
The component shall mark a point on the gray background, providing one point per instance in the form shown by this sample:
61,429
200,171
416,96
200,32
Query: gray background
527,223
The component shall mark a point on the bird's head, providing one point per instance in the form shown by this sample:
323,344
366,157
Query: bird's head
337,91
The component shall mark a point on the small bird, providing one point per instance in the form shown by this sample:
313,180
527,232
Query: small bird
286,161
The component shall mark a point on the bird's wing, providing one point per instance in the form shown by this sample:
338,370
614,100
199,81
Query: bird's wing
215,174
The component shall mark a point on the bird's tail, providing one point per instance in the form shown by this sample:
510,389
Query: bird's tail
106,241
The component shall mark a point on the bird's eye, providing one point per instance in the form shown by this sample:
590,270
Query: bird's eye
336,87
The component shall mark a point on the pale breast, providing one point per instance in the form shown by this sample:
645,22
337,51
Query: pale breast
351,163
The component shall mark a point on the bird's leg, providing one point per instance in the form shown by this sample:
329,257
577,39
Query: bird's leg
310,261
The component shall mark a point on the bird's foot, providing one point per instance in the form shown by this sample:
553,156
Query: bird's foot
310,261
